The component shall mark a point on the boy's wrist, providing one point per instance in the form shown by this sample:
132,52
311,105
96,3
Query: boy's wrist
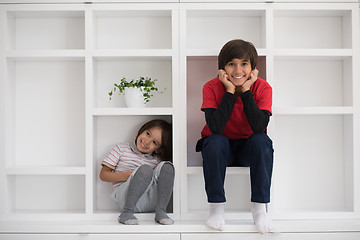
232,91
245,94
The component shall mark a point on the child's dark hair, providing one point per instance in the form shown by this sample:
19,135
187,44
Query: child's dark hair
165,150
240,49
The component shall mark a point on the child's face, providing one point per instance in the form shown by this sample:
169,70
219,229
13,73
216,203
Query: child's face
149,140
238,71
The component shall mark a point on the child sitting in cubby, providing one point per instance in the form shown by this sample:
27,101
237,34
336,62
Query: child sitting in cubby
142,179
237,106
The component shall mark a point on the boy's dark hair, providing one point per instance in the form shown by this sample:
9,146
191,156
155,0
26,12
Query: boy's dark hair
165,150
240,49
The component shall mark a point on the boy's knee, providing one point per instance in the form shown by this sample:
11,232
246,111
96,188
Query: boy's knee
260,139
215,140
261,143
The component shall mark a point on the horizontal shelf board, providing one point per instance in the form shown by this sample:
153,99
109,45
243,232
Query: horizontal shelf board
313,52
146,6
46,171
229,170
131,111
312,214
180,226
313,110
333,7
215,52
256,1
34,10
49,54
132,53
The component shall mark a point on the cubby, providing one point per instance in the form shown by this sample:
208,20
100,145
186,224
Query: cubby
35,194
309,29
50,96
309,75
109,70
49,30
109,131
58,62
116,29
322,155
201,24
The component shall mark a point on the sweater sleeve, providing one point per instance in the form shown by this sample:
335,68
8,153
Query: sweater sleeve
258,119
216,119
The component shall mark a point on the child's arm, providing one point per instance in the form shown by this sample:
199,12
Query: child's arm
252,78
224,78
107,175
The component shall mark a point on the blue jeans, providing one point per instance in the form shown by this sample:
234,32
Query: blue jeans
255,152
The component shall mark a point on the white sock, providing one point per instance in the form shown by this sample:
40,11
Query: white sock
216,216
261,219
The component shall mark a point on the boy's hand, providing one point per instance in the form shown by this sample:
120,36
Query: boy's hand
252,78
224,78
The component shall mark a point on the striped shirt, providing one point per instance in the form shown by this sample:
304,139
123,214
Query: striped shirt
126,156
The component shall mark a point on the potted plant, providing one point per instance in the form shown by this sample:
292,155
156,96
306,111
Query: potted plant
137,92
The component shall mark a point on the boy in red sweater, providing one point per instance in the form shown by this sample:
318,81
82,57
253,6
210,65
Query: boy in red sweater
237,106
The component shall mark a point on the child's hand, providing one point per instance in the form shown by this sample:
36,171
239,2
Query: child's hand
107,175
224,78
252,78
125,175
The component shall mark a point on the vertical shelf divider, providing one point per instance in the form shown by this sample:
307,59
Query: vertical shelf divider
175,24
356,106
183,111
89,102
3,115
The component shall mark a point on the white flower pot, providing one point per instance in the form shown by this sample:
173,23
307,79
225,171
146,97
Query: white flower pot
134,98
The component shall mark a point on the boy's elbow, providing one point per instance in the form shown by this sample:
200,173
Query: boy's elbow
216,130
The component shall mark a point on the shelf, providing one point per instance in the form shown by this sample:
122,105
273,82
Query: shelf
329,53
131,111
45,171
215,52
332,229
313,110
118,53
59,61
45,54
229,170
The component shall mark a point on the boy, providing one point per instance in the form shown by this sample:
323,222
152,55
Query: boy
237,106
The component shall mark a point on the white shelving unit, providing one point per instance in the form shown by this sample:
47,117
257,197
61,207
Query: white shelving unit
309,54
59,61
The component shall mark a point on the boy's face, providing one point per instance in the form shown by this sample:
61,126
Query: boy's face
149,140
238,71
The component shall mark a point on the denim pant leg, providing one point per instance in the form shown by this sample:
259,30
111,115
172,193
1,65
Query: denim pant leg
216,154
257,153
